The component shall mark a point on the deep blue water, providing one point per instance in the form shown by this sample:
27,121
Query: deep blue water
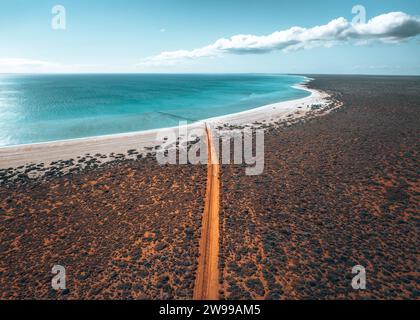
39,108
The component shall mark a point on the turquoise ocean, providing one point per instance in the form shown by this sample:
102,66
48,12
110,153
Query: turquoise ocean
41,108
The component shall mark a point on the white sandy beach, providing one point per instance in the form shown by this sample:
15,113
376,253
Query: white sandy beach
273,112
15,156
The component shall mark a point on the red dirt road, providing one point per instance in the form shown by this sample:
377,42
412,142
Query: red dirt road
207,280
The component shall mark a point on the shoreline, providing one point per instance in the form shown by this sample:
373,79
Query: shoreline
144,141
273,112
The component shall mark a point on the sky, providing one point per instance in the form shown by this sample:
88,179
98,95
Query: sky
218,36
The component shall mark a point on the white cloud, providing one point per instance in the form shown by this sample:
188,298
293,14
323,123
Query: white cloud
391,27
16,64
21,65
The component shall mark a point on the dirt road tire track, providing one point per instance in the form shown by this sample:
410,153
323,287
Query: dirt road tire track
207,280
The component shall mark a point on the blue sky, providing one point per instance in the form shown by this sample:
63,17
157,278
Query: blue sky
124,36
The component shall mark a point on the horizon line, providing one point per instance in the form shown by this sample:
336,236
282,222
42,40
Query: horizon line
208,73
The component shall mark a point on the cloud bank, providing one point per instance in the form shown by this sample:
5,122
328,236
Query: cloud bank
23,65
17,63
392,27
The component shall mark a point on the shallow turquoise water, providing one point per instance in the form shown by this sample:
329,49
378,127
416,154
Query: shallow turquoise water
39,108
